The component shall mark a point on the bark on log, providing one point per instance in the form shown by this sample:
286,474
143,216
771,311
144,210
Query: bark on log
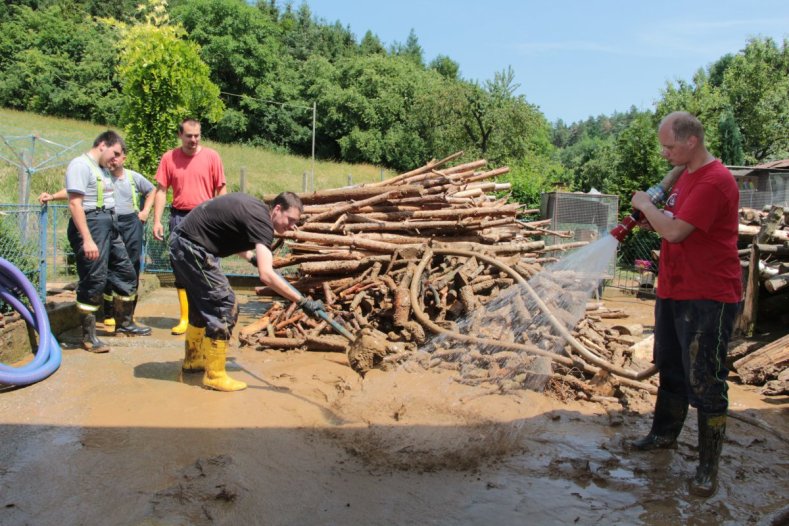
354,193
352,206
747,319
323,343
765,363
777,283
751,231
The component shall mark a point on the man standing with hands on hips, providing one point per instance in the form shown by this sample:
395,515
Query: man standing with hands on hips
195,173
699,294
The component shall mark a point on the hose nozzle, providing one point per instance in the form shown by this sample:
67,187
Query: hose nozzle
657,194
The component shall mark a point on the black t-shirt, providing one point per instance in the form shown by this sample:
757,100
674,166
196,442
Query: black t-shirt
229,224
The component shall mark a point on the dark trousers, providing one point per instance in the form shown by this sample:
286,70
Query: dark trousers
212,303
691,341
112,269
131,230
176,216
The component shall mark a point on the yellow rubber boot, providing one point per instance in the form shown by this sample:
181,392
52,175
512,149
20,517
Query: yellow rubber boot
109,321
194,356
215,376
182,324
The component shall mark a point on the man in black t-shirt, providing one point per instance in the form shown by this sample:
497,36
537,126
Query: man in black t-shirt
225,225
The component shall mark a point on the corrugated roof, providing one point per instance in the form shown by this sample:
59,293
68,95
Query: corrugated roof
774,164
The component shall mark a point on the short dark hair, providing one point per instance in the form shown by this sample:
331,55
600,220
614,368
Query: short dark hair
684,125
110,138
287,200
188,119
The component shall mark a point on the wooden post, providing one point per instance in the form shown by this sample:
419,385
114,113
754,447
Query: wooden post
350,180
747,319
242,180
304,182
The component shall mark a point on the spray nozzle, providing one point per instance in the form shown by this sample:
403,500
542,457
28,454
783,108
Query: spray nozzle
657,194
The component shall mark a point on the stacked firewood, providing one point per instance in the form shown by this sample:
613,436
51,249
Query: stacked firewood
358,250
356,246
764,238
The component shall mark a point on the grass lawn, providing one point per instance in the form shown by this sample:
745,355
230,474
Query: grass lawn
265,171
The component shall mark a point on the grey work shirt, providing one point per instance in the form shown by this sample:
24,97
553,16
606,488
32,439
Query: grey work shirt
81,179
123,191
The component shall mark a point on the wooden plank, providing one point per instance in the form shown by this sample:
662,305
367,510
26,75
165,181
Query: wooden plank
747,319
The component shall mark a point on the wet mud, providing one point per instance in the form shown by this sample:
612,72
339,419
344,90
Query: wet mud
126,438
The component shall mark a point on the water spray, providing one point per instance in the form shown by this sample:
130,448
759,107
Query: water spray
657,194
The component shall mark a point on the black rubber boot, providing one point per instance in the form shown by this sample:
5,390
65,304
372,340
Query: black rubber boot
712,429
124,320
90,342
670,413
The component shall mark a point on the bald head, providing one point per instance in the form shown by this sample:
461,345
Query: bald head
683,125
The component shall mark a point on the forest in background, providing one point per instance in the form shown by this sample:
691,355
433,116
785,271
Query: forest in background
258,68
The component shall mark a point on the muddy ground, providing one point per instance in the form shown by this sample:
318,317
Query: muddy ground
125,438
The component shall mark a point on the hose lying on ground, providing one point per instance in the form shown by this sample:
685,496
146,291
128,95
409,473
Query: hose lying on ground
14,284
627,377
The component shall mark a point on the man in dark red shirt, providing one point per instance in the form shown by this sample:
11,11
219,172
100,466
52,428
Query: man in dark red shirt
699,292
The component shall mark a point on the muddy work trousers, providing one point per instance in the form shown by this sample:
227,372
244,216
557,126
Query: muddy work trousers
112,266
131,230
691,341
212,303
176,216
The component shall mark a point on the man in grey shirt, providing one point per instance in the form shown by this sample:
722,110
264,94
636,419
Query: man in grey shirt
97,245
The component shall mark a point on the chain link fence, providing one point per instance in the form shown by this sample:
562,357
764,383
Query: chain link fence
22,241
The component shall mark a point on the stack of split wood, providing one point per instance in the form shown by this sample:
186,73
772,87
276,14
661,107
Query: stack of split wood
764,236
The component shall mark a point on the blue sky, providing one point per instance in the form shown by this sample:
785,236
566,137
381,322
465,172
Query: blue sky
572,58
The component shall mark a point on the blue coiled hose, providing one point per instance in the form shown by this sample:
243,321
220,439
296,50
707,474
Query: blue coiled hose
13,284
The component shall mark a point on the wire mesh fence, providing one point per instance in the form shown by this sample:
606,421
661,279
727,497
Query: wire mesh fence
157,256
21,234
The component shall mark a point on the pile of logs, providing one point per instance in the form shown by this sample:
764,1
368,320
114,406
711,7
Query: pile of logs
764,236
358,250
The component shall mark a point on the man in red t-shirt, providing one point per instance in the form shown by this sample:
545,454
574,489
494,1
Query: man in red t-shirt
699,292
195,174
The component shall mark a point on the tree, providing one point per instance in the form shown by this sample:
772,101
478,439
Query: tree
638,161
753,85
56,60
411,50
446,67
731,151
371,45
164,80
756,83
242,47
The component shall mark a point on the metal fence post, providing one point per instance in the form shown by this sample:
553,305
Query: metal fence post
350,180
242,180
42,253
304,182
55,242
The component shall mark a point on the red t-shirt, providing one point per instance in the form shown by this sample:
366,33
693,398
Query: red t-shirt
705,265
194,179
